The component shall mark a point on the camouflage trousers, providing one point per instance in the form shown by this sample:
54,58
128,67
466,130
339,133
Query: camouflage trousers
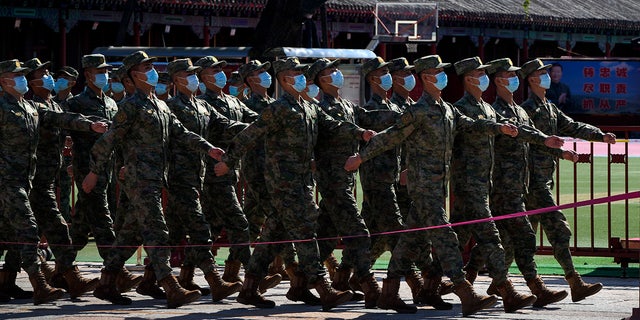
50,222
185,208
339,216
425,262
427,210
517,235
381,214
294,219
19,226
64,183
144,222
92,215
222,210
554,224
473,204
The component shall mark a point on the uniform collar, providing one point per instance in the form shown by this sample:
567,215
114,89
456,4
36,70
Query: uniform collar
92,94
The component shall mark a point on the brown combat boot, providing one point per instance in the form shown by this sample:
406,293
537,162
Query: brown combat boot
232,271
299,290
220,289
249,293
106,289
186,280
446,287
78,285
430,293
354,283
42,291
332,264
493,290
277,266
149,285
9,287
470,274
470,300
580,289
371,291
340,279
329,296
389,298
415,284
125,280
177,295
513,300
46,269
545,295
269,282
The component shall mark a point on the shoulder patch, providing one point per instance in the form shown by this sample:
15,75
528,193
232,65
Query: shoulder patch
121,117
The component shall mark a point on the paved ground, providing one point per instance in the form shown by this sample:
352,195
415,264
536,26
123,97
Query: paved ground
616,301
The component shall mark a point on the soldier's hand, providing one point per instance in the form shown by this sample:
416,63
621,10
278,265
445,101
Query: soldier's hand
89,182
221,169
70,170
509,129
403,177
216,153
554,142
353,162
609,138
99,127
570,155
367,135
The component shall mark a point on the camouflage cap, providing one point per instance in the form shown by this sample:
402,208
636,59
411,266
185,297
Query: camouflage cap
429,62
318,66
69,71
291,63
235,79
164,77
469,64
251,66
12,66
531,66
503,64
136,58
94,61
210,62
373,64
398,64
120,72
35,64
180,65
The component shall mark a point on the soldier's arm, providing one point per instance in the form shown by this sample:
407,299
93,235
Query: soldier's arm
346,129
482,125
246,138
390,137
103,148
65,120
192,140
576,129
248,115
221,129
375,119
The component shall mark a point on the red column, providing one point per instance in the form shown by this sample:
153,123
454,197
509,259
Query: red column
434,48
607,52
481,47
525,50
205,35
63,42
567,46
136,34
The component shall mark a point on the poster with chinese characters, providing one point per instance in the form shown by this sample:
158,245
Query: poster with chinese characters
595,87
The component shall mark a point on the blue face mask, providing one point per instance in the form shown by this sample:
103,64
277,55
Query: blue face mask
409,82
441,80
20,84
513,85
48,82
386,82
265,79
161,89
483,83
192,83
545,81
202,87
245,92
61,84
152,77
233,90
220,79
117,87
300,82
313,91
337,79
106,87
100,80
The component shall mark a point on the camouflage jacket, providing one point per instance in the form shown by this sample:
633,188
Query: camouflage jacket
290,128
511,171
427,128
403,104
385,167
229,106
550,120
95,107
473,153
20,122
144,127
253,161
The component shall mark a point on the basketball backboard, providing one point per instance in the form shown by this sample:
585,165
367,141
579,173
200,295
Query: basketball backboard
415,21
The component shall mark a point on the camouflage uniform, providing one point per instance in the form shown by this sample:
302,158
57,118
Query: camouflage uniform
550,120
290,128
148,122
220,197
92,213
19,135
